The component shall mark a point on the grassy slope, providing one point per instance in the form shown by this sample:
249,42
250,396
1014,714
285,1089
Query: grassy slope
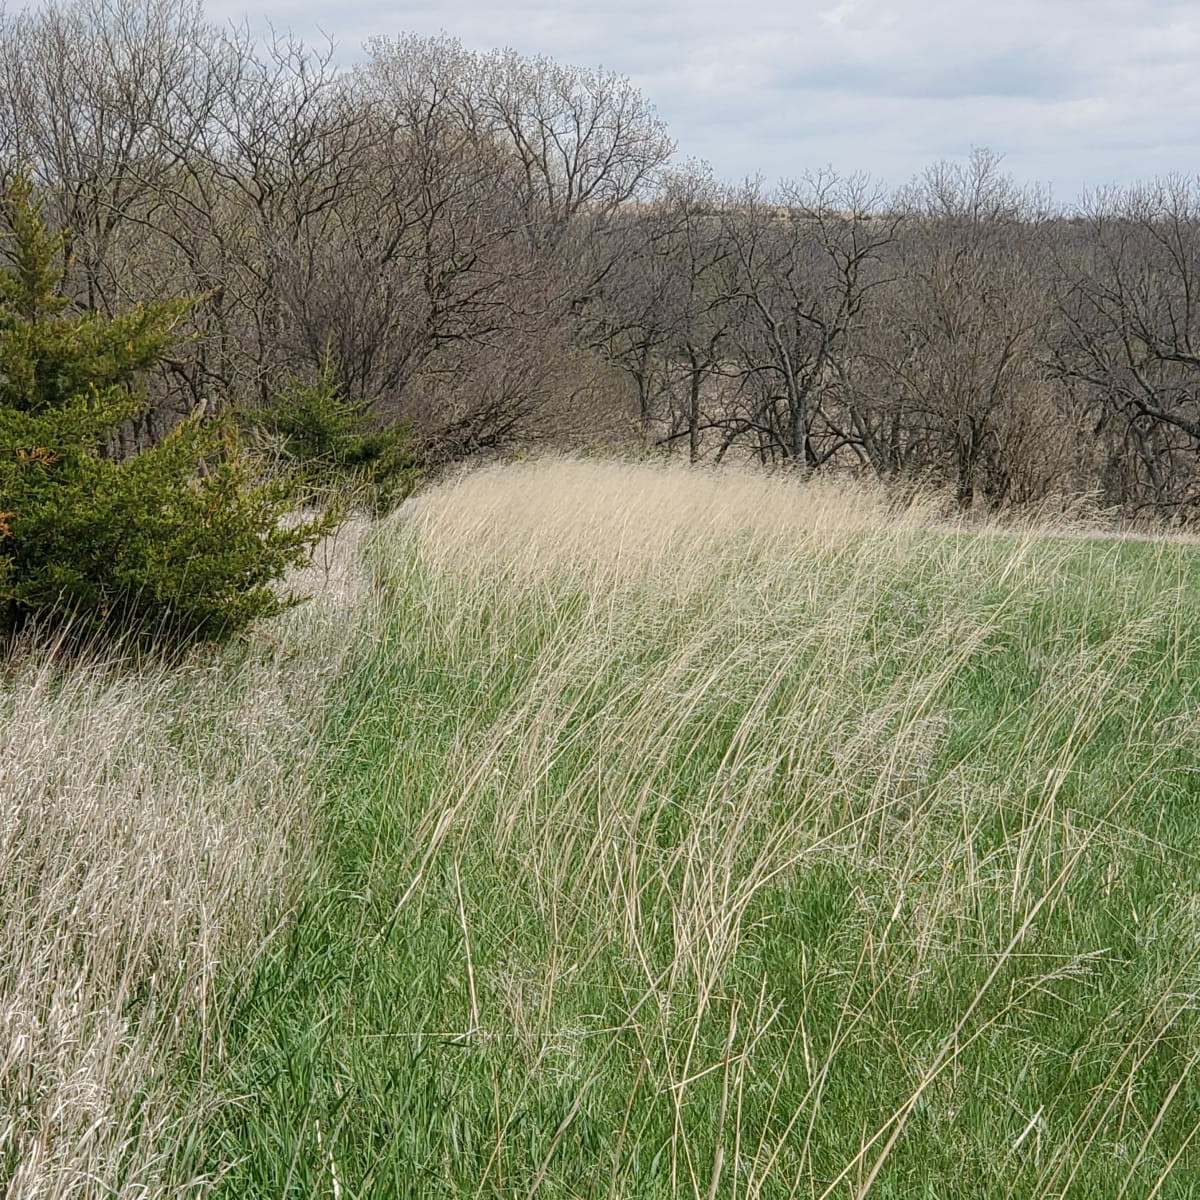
689,838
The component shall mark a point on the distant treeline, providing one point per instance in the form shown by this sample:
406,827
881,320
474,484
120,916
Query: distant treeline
497,250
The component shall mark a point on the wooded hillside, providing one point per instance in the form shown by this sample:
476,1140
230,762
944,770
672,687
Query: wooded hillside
497,250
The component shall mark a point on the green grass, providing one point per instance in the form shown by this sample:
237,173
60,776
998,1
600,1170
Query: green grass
761,863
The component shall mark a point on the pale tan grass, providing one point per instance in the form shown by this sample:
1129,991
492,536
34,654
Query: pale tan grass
153,824
608,519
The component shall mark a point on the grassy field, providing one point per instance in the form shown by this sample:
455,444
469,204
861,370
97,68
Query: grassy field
668,834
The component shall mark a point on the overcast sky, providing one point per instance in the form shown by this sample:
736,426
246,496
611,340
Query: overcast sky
1072,93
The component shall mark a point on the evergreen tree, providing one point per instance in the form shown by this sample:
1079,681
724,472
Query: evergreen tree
175,544
333,449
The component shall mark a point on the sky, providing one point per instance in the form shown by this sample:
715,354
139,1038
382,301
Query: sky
1073,94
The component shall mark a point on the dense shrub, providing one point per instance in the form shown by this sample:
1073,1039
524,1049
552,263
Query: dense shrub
175,544
331,447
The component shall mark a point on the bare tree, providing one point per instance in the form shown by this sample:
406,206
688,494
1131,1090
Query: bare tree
805,262
586,141
98,95
1130,342
962,371
670,313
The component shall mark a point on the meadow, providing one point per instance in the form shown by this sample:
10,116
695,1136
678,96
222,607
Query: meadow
624,831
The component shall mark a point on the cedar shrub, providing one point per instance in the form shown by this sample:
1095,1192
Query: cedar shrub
332,447
177,544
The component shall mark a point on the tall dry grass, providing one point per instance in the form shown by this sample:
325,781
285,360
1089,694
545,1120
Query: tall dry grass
615,517
154,823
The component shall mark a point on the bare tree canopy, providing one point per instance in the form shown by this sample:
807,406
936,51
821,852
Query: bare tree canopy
495,249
